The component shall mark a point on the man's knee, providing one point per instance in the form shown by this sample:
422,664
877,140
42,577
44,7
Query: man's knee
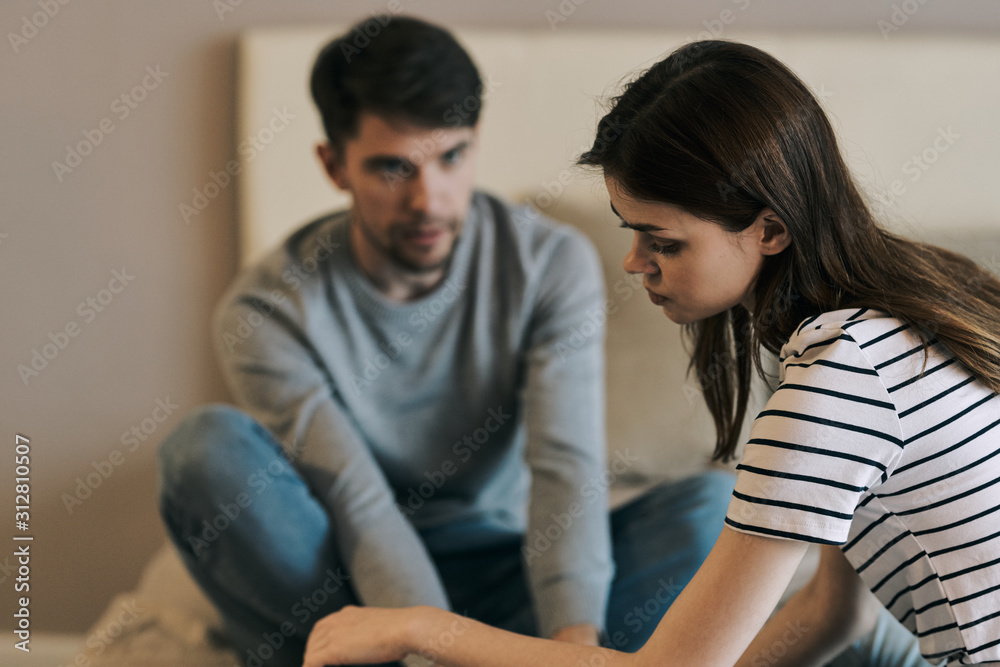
209,441
714,489
704,495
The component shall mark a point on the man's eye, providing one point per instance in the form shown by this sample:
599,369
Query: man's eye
394,167
453,156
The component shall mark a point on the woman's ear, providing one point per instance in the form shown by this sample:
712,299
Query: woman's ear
773,233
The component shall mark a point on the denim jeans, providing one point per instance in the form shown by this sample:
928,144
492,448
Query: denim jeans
260,545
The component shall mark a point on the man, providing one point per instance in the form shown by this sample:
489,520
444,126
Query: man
422,381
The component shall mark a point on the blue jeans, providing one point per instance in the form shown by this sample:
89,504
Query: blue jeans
889,644
260,545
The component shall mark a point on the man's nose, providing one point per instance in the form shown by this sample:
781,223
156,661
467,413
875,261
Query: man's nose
426,192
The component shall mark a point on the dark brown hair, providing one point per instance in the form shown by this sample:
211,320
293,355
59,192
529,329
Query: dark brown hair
396,67
724,130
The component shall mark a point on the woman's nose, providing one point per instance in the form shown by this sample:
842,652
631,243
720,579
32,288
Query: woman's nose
639,260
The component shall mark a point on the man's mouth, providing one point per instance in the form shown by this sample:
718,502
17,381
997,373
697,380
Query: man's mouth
423,235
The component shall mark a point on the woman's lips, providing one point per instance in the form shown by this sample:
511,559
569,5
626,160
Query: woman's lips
656,298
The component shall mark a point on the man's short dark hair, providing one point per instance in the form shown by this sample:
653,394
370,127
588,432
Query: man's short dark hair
395,67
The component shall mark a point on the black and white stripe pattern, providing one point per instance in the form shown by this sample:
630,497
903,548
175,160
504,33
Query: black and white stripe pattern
866,446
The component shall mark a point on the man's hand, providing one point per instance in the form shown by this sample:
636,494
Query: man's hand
584,634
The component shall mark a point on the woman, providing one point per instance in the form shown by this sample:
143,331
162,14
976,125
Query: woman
882,441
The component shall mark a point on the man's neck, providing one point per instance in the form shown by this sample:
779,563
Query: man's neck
395,282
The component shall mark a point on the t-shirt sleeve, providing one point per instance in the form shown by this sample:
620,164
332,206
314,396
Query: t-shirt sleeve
828,434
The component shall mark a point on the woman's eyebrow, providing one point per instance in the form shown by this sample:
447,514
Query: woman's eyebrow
637,226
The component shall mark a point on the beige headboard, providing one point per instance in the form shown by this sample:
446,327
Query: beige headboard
918,119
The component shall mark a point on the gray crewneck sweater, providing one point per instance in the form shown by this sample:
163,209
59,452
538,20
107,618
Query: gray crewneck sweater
445,423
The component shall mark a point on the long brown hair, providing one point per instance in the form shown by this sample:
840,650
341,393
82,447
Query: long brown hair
723,130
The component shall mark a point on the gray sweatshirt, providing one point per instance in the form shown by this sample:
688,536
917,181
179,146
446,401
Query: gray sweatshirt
441,424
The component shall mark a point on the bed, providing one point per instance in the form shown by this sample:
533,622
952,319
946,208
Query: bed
543,96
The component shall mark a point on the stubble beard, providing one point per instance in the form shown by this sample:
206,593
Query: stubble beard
394,249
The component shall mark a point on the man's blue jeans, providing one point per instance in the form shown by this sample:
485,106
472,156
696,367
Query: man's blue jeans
260,545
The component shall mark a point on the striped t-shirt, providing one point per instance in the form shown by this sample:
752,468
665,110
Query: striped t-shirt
863,446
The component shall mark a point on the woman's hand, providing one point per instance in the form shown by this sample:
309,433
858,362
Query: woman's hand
359,635
363,635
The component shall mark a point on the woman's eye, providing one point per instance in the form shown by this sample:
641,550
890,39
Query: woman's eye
663,249
670,248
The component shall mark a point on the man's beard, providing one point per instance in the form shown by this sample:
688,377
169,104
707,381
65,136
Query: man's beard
395,252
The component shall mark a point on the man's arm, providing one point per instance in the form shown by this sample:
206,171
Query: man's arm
278,378
567,545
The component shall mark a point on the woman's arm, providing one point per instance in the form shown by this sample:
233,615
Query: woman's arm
709,625
830,612
362,635
727,602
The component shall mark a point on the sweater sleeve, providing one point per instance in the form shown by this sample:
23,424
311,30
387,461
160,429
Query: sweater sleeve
567,544
277,377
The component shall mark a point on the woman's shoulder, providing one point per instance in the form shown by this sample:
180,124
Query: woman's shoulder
863,325
876,335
